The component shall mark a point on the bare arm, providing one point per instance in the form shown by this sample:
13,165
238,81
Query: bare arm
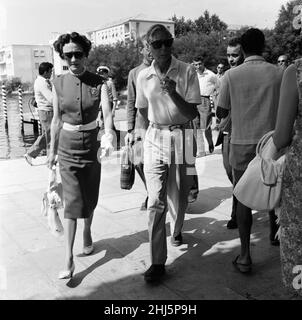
107,113
55,129
287,110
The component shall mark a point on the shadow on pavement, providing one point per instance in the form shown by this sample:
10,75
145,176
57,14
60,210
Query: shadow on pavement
199,269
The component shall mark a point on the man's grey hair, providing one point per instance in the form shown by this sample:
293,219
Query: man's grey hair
157,28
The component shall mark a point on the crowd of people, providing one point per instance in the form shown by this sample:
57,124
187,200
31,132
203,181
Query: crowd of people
170,107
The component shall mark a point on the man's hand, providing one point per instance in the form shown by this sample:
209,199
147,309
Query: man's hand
106,145
129,138
168,85
52,160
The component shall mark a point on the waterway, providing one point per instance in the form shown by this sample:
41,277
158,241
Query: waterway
14,143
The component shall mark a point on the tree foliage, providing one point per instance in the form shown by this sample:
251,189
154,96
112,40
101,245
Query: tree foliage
120,58
285,38
211,47
182,27
206,23
206,36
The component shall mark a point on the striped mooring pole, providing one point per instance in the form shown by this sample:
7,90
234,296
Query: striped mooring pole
40,127
21,108
4,102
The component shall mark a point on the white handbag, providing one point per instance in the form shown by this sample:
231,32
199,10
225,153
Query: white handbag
259,188
52,201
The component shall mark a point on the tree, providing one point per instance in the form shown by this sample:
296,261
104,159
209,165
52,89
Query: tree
206,23
182,27
286,38
209,23
211,47
120,58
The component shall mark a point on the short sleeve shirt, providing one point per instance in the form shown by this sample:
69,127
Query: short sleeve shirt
208,82
79,97
43,94
161,108
251,91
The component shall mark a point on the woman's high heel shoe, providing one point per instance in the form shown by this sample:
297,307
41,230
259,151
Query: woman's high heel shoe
88,250
67,274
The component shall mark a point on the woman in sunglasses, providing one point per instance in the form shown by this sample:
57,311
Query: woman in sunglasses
74,131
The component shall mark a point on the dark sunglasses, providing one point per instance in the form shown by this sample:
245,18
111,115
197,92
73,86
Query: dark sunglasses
281,61
157,44
76,54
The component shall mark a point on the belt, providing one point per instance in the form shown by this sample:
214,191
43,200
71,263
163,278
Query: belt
207,97
170,127
80,127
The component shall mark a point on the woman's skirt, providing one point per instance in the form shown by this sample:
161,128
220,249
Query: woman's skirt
80,172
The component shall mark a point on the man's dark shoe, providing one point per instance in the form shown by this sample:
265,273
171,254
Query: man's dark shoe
176,241
155,273
232,224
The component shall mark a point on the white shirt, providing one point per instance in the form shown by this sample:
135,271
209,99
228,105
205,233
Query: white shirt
111,90
43,94
161,108
208,82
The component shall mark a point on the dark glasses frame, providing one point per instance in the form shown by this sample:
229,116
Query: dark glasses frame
76,54
157,44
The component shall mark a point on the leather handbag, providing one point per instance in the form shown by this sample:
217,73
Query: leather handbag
127,168
259,188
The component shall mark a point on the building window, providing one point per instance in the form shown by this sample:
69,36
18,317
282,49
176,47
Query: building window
65,68
36,53
37,65
42,53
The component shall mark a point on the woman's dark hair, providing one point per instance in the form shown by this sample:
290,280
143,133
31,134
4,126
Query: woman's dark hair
74,37
253,41
157,28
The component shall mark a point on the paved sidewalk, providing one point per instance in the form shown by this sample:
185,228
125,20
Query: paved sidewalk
31,257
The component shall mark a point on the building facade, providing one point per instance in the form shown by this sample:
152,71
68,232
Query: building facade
125,30
22,61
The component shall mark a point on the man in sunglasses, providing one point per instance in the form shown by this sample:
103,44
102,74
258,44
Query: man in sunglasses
167,94
283,61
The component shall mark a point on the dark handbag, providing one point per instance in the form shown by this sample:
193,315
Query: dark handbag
127,168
